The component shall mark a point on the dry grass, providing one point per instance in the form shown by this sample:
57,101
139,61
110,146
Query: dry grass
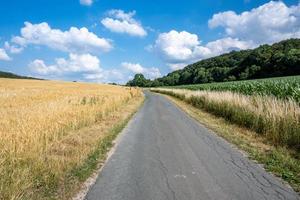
268,105
39,143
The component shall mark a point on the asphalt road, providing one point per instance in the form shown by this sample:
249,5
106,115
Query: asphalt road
163,154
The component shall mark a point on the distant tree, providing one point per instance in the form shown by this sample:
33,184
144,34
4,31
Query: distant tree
155,83
186,77
230,78
293,57
15,76
244,75
201,76
253,70
219,73
139,80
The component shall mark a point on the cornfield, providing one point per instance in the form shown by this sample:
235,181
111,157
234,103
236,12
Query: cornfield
283,88
39,124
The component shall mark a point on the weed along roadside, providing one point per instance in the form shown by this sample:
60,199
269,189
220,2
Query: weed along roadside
63,134
273,122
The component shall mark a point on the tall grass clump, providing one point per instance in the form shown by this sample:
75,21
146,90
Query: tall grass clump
40,125
278,120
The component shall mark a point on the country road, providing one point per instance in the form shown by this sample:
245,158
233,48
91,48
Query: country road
163,154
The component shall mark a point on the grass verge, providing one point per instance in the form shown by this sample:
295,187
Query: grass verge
96,158
283,162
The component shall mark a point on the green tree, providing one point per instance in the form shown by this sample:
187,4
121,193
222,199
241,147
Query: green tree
139,80
201,76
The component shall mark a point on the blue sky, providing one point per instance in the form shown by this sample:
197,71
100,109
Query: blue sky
110,41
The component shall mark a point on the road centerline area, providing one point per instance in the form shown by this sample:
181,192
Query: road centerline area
165,154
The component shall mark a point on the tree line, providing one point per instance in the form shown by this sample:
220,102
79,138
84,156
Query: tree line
279,59
15,76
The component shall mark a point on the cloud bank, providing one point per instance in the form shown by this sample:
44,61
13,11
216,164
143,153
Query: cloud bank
86,2
151,72
119,21
74,40
181,48
75,63
4,56
269,23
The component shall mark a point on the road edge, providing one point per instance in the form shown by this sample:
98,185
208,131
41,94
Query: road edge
260,156
123,126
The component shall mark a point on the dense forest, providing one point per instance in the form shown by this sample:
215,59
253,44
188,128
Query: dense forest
11,75
279,59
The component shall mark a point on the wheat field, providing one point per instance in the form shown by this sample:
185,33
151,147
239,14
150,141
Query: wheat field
40,142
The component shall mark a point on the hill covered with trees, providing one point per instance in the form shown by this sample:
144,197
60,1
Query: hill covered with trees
279,59
11,75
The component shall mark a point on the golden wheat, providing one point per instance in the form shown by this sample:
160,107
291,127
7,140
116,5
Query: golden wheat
41,117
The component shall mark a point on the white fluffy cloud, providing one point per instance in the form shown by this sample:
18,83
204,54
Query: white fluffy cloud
269,23
3,55
39,67
105,76
227,44
181,48
75,63
177,46
73,41
121,22
84,66
12,48
86,2
136,68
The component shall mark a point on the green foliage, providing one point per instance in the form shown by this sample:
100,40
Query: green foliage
283,88
280,59
139,80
